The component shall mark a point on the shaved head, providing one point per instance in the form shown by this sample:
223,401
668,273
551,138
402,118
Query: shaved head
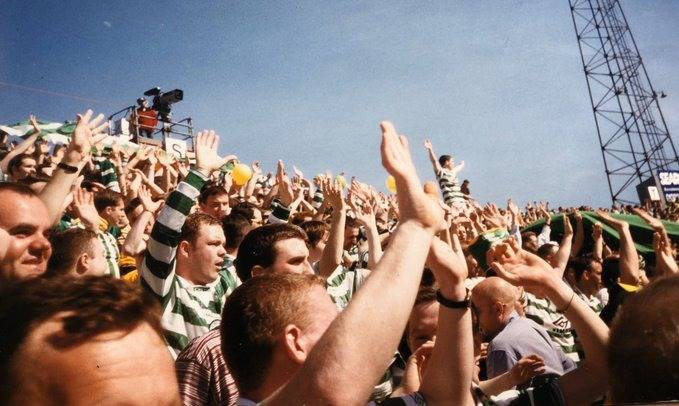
496,289
493,303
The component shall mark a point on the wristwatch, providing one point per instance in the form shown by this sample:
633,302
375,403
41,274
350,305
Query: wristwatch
67,168
452,304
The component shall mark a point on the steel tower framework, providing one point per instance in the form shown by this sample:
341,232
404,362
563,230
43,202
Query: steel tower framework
635,142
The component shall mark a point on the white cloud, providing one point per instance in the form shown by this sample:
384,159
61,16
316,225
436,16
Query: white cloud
107,23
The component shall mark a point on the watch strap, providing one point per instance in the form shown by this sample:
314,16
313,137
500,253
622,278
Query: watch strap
452,304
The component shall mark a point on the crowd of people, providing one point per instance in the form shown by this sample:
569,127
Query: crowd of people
134,277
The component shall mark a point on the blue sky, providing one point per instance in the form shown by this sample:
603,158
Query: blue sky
498,84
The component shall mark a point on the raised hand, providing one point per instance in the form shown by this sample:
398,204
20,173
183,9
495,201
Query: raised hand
413,204
493,217
567,226
207,158
256,167
332,191
597,231
83,203
650,220
34,123
285,192
615,223
519,267
146,201
427,144
665,262
364,213
88,132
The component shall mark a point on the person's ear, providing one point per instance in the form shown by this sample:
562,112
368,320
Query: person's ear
499,309
82,265
294,344
184,248
257,270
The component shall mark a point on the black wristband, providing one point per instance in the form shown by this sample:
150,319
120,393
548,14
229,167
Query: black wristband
67,168
451,304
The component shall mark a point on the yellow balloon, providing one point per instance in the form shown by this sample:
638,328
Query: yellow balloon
391,184
241,174
341,180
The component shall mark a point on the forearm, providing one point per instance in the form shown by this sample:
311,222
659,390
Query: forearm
560,260
134,242
629,260
497,385
332,254
434,160
448,376
579,239
364,356
374,245
599,248
589,381
58,187
19,149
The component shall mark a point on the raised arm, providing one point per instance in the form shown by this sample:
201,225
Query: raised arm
448,376
158,264
432,156
332,254
579,237
380,309
560,259
589,381
365,216
134,242
88,132
21,148
629,260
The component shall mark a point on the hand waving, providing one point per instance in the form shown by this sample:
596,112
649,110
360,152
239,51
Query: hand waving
207,158
88,132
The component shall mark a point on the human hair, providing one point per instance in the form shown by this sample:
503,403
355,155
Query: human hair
580,265
16,162
643,351
258,246
610,271
443,159
18,188
245,209
67,247
315,231
255,315
193,224
351,222
37,178
211,190
426,294
89,306
132,206
545,250
235,227
106,198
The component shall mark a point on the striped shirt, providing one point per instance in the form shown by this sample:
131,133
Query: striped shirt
450,186
189,310
111,249
203,376
544,312
343,284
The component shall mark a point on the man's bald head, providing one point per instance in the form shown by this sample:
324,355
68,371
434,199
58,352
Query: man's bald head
495,289
493,302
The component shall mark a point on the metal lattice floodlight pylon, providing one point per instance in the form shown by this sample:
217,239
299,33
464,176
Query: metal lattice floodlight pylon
635,141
